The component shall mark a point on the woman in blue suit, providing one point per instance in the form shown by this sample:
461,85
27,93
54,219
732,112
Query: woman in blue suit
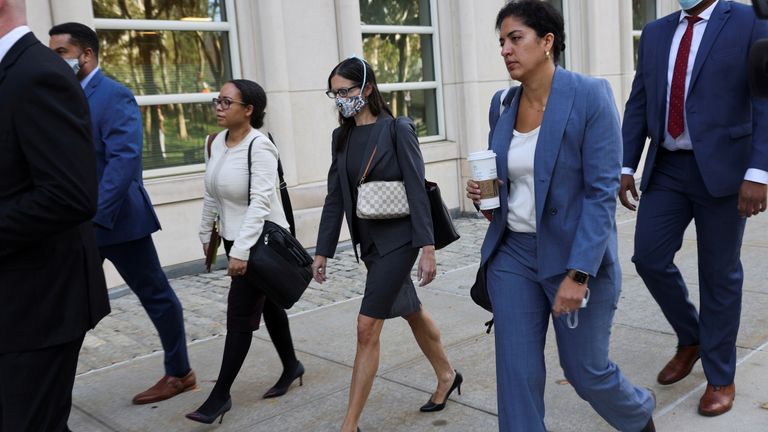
552,243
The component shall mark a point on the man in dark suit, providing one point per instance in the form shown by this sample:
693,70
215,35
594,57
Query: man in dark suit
125,218
707,162
52,287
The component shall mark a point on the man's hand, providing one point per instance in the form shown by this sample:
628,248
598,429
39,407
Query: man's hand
628,185
753,198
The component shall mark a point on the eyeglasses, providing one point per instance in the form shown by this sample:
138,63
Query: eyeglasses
342,92
226,102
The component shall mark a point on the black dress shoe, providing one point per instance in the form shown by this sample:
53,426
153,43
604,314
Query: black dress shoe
431,406
208,419
285,381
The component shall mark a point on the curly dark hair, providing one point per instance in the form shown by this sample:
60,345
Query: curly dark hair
539,15
253,94
352,69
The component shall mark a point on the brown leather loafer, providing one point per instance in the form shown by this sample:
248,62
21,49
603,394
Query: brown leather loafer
166,388
717,400
680,365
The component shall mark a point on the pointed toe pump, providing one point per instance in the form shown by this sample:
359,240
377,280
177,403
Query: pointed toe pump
285,381
431,406
208,419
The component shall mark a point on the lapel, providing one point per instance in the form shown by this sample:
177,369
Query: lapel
93,83
667,33
551,133
716,22
15,52
502,137
341,163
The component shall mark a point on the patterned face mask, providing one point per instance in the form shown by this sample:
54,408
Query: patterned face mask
350,106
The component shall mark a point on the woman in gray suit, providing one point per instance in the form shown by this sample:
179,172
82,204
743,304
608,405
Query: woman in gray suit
388,247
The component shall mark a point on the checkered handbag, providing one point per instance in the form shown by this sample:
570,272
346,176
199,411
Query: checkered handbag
381,199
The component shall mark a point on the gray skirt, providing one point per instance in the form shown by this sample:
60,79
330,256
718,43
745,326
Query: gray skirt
389,291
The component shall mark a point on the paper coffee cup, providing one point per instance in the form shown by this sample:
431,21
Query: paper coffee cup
482,164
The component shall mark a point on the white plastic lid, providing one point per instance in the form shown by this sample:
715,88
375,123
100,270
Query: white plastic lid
485,154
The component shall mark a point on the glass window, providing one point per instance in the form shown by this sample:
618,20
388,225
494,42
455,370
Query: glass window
395,12
643,12
174,55
166,62
174,133
419,105
399,41
397,57
183,10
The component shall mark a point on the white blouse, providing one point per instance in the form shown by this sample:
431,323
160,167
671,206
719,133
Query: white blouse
226,191
522,201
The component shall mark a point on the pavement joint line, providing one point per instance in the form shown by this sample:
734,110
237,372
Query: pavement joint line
308,402
92,417
667,409
324,306
634,327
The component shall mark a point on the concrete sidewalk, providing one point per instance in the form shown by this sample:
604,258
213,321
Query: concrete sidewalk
121,357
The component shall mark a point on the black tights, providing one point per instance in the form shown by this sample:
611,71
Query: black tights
236,349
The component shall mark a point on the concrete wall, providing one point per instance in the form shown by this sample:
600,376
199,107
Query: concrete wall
291,46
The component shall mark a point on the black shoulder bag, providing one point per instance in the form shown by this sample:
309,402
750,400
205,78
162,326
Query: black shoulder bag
278,264
442,225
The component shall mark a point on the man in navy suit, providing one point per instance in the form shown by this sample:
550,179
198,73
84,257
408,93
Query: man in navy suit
708,162
125,218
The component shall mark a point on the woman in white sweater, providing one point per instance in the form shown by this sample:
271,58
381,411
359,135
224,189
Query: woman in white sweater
240,109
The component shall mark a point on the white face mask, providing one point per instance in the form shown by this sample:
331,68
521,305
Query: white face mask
74,64
689,4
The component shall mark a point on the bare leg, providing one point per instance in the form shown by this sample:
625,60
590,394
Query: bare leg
428,337
366,366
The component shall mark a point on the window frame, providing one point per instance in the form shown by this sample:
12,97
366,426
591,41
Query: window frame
436,84
229,26
638,33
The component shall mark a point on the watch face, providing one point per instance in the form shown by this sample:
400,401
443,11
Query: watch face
579,277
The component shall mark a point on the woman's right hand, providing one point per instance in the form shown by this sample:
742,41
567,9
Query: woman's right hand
473,192
205,250
318,268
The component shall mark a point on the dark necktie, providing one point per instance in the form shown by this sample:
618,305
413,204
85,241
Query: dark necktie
676,121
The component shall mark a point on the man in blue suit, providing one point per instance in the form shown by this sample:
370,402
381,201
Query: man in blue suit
125,218
708,162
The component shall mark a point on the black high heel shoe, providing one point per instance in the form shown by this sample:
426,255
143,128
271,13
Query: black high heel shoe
432,406
282,385
208,419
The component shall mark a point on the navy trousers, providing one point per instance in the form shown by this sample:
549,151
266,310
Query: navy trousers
676,195
137,263
522,305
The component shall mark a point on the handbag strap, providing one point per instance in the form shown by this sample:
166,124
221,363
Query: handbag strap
211,137
368,166
285,198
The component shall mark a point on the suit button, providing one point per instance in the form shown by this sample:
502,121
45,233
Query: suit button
553,211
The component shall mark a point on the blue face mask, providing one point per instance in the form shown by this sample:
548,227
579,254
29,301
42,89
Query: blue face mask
689,4
351,105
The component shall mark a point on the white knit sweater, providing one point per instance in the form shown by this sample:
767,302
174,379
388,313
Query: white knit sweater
226,191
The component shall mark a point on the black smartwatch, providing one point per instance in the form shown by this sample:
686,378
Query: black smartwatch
578,276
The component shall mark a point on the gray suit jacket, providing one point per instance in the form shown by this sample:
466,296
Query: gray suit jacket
390,164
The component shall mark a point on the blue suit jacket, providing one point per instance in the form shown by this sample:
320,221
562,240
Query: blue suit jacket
124,212
728,128
577,166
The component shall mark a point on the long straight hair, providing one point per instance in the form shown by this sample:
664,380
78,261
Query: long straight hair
352,69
